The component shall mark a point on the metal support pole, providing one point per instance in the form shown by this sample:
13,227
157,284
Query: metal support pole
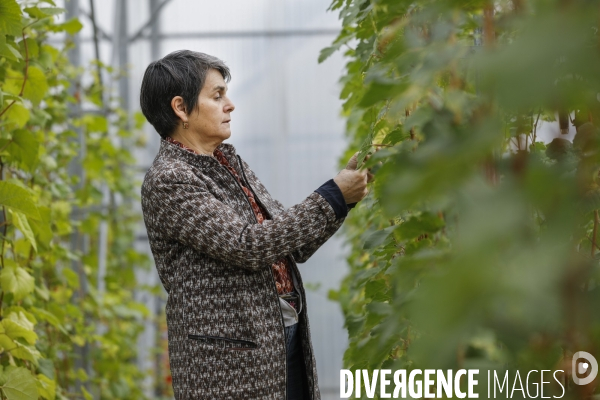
123,51
155,326
79,242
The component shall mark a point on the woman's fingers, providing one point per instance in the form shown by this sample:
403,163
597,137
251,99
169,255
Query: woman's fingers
353,162
370,177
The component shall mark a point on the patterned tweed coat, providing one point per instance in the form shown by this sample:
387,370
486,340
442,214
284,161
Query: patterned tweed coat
226,334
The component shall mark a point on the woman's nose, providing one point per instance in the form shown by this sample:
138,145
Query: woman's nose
229,107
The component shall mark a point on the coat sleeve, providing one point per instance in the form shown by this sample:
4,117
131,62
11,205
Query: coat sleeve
302,254
331,192
191,215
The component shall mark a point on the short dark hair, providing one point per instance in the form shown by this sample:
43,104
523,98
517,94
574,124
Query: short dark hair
181,73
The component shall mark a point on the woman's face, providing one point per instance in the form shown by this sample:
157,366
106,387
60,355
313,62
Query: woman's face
210,119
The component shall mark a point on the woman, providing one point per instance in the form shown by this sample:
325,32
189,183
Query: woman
225,250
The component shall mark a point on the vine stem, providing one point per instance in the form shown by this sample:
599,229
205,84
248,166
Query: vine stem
6,145
594,232
24,74
379,144
4,219
489,36
535,127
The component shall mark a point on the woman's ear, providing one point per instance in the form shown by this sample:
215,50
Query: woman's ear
178,106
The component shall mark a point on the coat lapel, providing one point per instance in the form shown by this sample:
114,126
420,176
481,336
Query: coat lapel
211,165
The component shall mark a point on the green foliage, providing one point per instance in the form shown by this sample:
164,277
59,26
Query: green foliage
46,314
478,244
20,385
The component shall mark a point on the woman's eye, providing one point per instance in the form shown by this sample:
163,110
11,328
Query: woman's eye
218,98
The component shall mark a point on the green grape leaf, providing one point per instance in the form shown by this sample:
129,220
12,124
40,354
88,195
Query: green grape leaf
36,85
71,277
46,367
25,148
20,385
46,387
377,238
72,26
52,10
377,92
417,225
18,115
20,221
10,18
377,290
95,123
15,330
47,316
7,343
327,52
18,199
8,51
139,119
86,395
28,353
33,49
35,12
16,280
41,228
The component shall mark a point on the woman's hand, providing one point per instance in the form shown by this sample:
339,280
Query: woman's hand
353,182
